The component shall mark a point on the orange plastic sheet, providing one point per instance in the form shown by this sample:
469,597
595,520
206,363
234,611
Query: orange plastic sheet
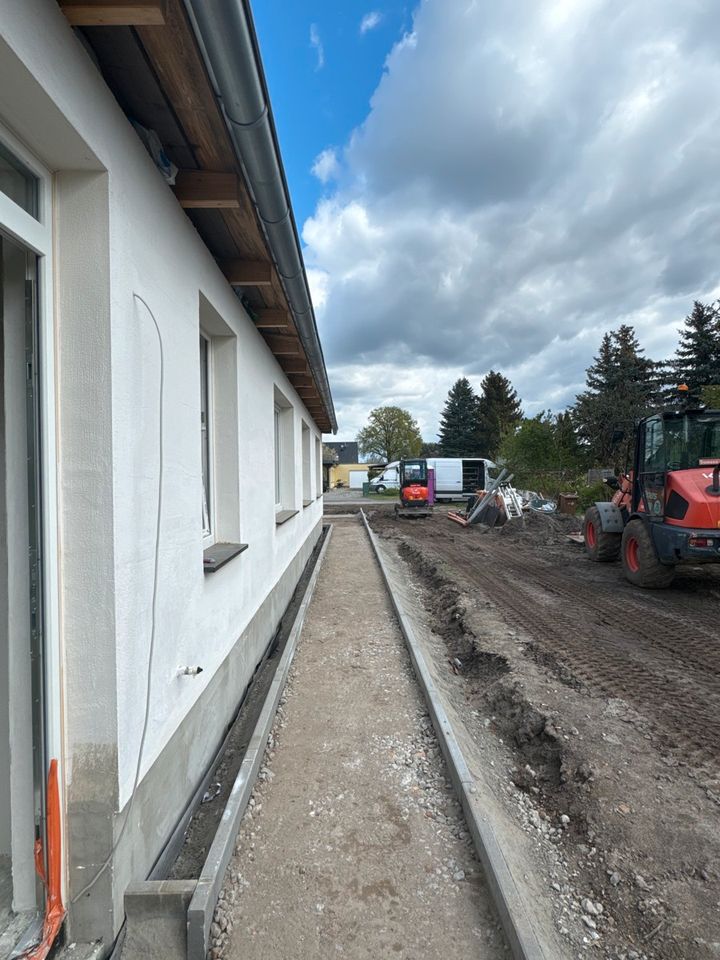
54,909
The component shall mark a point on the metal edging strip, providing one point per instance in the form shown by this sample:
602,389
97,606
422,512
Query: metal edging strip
202,906
508,899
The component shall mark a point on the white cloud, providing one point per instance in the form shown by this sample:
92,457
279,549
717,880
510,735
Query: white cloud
318,281
370,21
317,45
522,183
326,166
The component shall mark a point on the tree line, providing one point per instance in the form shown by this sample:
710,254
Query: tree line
622,385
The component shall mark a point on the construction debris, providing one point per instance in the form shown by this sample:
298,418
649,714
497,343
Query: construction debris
499,503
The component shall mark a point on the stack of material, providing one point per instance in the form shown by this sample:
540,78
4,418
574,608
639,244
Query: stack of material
532,500
496,505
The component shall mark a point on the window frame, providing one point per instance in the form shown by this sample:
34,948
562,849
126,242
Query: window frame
36,234
222,541
306,459
278,450
284,443
318,467
207,444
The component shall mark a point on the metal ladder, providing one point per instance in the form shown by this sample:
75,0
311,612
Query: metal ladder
513,506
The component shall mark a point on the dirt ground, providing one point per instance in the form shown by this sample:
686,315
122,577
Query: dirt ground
353,844
600,705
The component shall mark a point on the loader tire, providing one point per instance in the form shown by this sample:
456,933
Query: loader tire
640,561
600,546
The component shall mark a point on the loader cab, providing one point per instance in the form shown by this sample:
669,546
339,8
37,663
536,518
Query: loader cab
666,443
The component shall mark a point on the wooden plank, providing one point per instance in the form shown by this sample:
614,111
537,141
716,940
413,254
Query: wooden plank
272,317
207,190
247,273
295,366
178,65
114,13
306,391
283,346
301,380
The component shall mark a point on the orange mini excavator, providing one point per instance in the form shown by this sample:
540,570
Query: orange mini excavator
666,511
414,491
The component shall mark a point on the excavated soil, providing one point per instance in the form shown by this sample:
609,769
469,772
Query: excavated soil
602,702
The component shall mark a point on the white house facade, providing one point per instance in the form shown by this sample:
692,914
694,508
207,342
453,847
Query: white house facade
163,398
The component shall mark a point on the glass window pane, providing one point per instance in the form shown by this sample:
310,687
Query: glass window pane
205,434
277,456
18,183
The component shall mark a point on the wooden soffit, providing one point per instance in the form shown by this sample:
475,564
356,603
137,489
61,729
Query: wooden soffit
149,56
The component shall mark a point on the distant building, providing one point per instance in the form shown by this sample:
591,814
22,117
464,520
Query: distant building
347,451
352,475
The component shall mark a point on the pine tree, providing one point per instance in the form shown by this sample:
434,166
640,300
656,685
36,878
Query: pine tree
498,410
458,421
594,410
697,358
621,388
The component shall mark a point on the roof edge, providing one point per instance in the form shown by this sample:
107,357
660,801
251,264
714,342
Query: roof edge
226,35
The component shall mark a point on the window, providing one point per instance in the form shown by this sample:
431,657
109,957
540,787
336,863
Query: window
654,450
284,443
306,465
278,456
318,468
219,436
18,183
205,433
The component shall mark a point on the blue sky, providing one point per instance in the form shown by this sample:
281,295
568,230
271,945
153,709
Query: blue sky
500,183
322,70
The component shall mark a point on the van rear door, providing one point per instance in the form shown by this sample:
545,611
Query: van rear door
473,476
448,476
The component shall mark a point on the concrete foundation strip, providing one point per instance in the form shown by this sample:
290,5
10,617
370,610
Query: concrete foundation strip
202,906
508,899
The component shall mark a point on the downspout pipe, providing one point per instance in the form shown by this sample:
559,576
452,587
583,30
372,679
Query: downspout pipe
226,34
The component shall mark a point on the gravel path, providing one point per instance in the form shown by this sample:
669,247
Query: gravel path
354,845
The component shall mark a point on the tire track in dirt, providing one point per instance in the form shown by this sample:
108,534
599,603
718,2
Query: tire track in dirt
666,668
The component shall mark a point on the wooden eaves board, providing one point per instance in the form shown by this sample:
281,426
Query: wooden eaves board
158,77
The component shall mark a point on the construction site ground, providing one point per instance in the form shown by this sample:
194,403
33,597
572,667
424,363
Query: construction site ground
593,708
353,844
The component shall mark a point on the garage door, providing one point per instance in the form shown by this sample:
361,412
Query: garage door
357,479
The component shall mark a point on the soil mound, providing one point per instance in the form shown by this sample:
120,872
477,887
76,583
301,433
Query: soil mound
540,528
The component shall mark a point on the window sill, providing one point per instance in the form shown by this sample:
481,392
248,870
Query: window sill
282,516
307,503
219,554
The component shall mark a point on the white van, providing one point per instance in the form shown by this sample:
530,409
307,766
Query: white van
455,477
389,479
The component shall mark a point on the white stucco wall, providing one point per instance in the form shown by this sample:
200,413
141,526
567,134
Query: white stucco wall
154,252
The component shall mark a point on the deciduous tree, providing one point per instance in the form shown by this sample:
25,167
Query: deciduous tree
391,433
541,446
430,449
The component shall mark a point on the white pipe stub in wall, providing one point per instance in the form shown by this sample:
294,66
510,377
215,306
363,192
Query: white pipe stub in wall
189,671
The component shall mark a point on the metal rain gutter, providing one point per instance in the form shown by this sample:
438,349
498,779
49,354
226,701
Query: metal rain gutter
227,38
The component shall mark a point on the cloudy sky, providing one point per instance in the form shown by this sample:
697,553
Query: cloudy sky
493,185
